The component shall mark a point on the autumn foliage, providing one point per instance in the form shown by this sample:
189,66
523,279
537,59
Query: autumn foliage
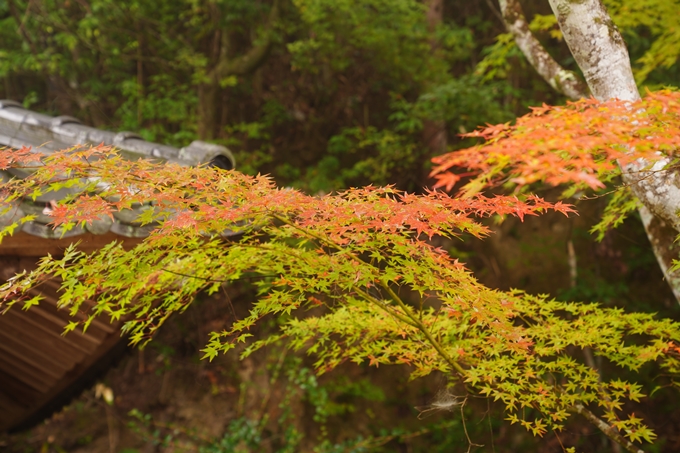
361,264
583,144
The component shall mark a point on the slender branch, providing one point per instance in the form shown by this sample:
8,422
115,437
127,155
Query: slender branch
495,11
420,326
21,29
410,319
210,280
377,302
311,234
462,418
562,80
607,429
251,60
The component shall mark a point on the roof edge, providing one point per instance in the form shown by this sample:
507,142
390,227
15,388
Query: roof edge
20,126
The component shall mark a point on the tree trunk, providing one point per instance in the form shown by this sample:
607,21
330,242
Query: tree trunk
562,80
601,53
225,65
207,110
598,48
434,131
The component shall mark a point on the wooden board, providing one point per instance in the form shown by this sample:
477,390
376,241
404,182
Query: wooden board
25,245
40,368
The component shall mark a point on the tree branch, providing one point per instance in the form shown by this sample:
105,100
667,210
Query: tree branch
407,317
562,80
420,326
251,60
607,429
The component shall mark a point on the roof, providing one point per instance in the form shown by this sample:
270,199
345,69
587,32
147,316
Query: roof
40,369
45,134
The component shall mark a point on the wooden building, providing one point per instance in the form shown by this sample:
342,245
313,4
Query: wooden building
40,369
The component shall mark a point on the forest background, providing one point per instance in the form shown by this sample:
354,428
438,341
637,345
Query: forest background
323,96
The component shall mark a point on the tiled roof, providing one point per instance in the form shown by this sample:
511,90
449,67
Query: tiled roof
45,134
40,369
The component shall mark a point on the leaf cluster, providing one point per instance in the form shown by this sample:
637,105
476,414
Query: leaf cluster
350,277
581,145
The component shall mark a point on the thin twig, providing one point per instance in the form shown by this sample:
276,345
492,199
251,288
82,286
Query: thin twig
495,11
462,417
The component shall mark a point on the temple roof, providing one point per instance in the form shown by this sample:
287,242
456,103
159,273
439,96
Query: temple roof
45,134
41,369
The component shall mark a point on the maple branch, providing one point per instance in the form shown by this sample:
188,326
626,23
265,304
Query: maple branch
319,238
420,326
562,80
607,429
180,274
210,280
367,297
409,319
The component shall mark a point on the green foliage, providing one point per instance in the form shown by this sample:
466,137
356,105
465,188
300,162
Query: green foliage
655,25
342,29
621,203
351,278
362,69
390,154
331,401
163,112
541,23
245,435
135,62
242,434
496,62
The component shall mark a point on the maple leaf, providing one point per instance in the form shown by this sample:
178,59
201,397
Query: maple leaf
542,110
578,144
447,180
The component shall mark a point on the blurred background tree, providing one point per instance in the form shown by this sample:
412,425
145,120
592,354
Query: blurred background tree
321,94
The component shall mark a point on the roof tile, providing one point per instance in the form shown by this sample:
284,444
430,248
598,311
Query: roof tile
45,134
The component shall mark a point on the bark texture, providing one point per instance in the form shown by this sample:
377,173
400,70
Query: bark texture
598,48
662,237
601,53
562,80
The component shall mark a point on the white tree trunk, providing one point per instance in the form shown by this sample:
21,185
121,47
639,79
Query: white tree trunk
598,48
601,53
